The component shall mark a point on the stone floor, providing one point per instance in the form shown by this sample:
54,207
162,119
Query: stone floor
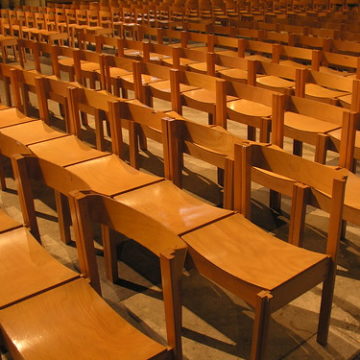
217,325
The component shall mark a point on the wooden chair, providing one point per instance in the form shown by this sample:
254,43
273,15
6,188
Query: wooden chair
264,271
208,94
157,238
254,107
294,56
210,144
324,87
273,76
48,283
114,68
31,269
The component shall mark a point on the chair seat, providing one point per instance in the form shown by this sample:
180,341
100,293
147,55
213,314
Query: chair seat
165,86
228,53
26,268
237,74
204,96
6,222
275,82
109,175
202,67
249,108
85,65
183,212
307,124
293,64
65,151
242,242
318,91
145,79
31,132
73,322
116,72
12,116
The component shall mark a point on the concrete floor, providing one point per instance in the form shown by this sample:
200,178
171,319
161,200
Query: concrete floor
217,325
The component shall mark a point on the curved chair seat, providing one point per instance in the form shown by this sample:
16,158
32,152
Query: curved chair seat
110,176
202,67
233,257
145,79
85,65
6,222
29,266
12,116
204,96
54,151
318,91
183,212
115,72
249,108
18,137
164,86
233,74
275,82
73,322
294,122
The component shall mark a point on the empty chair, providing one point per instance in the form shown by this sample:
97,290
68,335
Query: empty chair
265,272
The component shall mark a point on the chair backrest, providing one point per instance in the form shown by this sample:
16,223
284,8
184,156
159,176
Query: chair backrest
324,186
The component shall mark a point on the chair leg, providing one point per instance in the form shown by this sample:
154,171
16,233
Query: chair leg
261,324
2,174
25,195
251,133
172,264
297,148
110,254
64,218
326,304
320,149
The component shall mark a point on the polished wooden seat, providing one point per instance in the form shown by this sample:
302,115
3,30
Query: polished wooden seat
30,268
72,318
6,222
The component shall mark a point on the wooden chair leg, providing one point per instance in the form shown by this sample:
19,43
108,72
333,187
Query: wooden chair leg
25,194
99,131
260,327
275,200
110,254
297,148
172,264
320,148
251,133
2,174
64,218
326,304
298,212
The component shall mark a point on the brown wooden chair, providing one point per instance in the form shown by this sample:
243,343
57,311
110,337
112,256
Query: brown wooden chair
211,144
264,271
157,238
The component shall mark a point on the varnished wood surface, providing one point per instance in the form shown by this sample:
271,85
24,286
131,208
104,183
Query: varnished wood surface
250,108
26,267
12,116
322,92
275,82
66,150
6,222
32,132
241,243
109,175
74,322
183,212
